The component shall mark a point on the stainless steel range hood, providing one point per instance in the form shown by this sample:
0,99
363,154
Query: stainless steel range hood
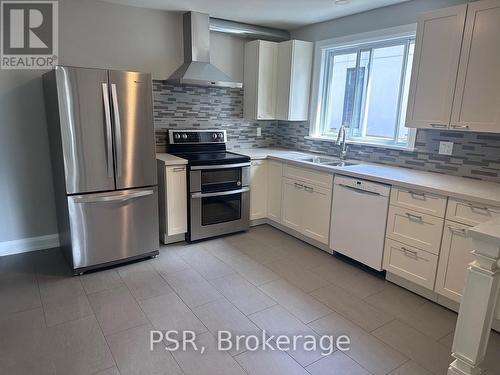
197,69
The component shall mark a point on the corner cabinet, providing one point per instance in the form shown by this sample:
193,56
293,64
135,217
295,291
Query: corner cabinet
455,82
277,80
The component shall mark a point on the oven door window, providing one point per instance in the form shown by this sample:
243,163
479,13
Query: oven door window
220,179
220,209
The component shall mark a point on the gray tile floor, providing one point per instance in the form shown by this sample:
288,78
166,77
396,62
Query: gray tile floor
55,323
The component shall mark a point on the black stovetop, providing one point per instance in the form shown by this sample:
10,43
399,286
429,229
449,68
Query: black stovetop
212,158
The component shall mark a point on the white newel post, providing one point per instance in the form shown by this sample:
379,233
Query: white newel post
479,299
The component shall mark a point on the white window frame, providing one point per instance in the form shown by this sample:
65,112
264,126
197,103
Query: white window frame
351,41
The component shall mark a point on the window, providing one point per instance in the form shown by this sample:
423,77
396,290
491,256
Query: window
365,87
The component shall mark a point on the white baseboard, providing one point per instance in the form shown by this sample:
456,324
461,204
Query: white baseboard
25,245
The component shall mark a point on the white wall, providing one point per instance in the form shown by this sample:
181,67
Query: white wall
96,34
382,18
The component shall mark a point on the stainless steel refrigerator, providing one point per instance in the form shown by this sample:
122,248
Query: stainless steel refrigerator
102,144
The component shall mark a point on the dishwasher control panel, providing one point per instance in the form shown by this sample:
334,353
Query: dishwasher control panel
355,183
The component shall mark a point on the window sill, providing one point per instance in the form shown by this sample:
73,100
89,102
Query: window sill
351,142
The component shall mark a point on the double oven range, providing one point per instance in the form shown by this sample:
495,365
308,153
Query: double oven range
218,183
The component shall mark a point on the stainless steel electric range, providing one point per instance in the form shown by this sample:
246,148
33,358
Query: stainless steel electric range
218,183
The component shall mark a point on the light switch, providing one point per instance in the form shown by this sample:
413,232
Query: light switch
259,132
445,148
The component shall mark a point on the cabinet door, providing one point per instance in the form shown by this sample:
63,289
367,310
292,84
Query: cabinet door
274,192
292,204
435,66
266,80
300,80
293,80
176,200
477,97
454,258
258,190
316,210
259,86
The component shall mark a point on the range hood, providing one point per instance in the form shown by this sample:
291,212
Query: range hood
197,69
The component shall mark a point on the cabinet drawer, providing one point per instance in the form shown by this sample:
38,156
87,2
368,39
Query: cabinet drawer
470,213
411,263
419,201
308,176
415,229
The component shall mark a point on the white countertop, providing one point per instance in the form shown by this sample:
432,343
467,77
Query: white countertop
458,187
169,159
487,232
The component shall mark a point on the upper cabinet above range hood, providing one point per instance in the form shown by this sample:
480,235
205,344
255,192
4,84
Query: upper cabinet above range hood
197,69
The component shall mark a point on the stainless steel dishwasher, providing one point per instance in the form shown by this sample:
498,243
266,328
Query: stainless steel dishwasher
359,218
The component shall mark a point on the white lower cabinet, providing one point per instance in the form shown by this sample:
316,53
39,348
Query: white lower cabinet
415,229
454,258
316,213
411,263
176,200
258,189
306,209
292,203
172,189
274,189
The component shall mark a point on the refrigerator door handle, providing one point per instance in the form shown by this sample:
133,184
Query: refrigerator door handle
112,198
118,132
109,131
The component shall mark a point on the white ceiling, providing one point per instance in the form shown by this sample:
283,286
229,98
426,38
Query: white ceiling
286,14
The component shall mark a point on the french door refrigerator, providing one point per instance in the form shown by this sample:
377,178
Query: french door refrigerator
101,135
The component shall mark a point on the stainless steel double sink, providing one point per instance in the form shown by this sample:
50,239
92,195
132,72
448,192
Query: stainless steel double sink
327,161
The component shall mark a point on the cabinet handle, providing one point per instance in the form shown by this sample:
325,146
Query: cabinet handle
460,126
408,251
439,126
308,188
460,231
415,217
182,169
417,195
479,208
297,185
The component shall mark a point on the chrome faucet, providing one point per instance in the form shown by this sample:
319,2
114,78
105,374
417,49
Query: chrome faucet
341,141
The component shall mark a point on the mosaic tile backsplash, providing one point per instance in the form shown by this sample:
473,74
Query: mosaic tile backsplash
475,155
191,107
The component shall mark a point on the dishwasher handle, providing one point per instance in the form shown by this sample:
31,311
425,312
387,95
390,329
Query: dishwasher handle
359,191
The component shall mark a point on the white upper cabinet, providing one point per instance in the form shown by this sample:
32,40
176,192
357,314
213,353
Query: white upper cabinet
277,79
259,89
294,80
477,96
435,66
455,82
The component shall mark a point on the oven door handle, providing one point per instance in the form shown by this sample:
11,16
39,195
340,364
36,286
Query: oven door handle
221,166
220,193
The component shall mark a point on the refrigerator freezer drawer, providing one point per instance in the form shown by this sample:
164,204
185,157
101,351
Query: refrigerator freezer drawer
113,226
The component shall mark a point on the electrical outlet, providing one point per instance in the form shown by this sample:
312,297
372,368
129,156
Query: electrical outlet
445,148
259,132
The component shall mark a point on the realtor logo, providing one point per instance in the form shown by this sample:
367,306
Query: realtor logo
29,34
